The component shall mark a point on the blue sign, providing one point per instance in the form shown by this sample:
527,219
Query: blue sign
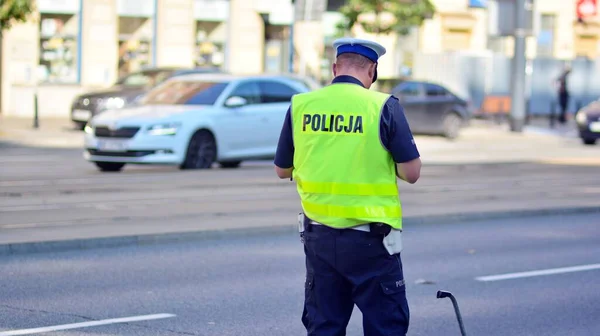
478,3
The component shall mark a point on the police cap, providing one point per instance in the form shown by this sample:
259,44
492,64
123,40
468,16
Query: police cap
369,49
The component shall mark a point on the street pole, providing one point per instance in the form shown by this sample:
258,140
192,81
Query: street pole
1,72
291,37
307,17
517,118
226,66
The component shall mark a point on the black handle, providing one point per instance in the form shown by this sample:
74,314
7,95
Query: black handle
445,294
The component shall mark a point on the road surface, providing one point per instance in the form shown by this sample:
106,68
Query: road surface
254,285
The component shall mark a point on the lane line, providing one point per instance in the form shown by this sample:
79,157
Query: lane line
85,324
529,274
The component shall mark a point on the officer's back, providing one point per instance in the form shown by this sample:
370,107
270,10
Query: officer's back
345,146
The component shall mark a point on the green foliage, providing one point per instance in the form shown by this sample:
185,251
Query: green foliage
406,13
12,11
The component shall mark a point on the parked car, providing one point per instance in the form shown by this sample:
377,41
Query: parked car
588,123
194,121
432,108
124,92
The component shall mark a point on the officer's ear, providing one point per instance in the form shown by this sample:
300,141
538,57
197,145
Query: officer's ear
334,69
374,77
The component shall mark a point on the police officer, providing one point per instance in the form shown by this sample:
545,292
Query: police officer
345,146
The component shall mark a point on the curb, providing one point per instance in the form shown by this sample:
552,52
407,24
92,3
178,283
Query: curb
165,238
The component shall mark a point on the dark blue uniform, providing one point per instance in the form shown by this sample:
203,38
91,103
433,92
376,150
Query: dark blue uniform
347,267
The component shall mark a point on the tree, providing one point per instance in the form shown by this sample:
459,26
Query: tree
12,11
406,15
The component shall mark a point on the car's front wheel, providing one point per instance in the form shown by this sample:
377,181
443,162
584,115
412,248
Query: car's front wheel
201,152
589,142
109,166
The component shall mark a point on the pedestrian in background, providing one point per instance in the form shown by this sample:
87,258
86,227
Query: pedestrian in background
563,94
345,146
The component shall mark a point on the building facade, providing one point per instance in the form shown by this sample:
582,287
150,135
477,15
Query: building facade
71,46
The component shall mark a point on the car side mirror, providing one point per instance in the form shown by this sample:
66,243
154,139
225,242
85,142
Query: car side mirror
235,101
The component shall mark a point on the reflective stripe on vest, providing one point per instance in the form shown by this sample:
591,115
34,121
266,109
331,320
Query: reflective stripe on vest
344,211
344,176
357,189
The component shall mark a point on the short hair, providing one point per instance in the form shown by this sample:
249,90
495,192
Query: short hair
353,60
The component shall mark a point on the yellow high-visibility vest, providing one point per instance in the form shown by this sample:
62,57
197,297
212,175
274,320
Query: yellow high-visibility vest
344,175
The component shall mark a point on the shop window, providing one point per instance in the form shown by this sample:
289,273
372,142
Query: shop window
456,39
586,46
545,38
58,48
210,38
135,44
276,51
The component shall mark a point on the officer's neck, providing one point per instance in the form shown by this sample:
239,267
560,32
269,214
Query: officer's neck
363,78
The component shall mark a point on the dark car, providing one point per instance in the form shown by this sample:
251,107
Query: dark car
588,123
432,109
124,92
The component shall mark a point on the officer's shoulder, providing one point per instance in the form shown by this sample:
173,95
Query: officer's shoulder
303,94
388,98
300,97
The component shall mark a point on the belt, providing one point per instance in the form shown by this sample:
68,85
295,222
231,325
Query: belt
364,227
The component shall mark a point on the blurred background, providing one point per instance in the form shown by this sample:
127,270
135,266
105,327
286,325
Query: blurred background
115,112
72,46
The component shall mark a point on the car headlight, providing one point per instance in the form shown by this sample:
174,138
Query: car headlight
164,129
581,117
114,103
88,129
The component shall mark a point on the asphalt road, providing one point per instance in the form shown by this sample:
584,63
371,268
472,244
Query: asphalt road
254,285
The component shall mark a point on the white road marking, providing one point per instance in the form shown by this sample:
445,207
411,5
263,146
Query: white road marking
529,274
85,324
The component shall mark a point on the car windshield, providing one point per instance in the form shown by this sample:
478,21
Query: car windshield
185,93
147,78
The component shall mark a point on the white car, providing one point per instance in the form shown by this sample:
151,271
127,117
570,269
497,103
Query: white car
194,121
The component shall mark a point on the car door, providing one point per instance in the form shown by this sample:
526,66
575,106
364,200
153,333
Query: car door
276,99
439,100
412,100
239,127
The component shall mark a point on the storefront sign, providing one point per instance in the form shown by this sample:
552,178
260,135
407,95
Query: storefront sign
135,8
211,10
58,6
281,15
586,8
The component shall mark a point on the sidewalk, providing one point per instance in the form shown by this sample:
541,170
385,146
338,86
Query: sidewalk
539,125
51,133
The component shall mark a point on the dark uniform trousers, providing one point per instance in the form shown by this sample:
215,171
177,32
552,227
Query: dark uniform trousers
347,267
